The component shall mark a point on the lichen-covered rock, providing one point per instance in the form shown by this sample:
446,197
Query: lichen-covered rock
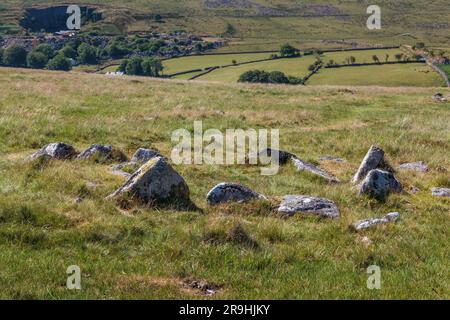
368,223
306,166
143,155
379,184
293,204
440,192
414,166
57,150
439,97
374,159
102,153
154,183
231,192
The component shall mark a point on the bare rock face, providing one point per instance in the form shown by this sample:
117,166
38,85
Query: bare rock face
374,159
440,192
231,192
368,223
379,184
57,150
293,204
143,155
306,166
414,166
102,153
155,182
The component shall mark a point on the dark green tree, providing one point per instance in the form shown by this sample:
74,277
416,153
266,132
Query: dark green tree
59,62
69,52
87,54
37,60
134,66
15,56
46,49
287,50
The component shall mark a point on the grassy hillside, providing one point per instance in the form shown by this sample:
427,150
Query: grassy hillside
261,24
148,253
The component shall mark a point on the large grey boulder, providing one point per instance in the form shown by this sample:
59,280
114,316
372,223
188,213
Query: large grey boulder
374,159
368,223
379,184
156,182
57,150
302,165
143,155
440,192
231,192
414,166
102,153
292,204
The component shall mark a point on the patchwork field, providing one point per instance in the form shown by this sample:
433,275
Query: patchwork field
419,75
148,253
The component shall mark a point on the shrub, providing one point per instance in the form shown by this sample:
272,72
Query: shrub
86,54
277,77
1,56
289,51
37,60
69,52
15,56
138,66
45,49
134,66
60,62
254,76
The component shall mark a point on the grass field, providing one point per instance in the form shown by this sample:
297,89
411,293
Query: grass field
418,75
446,69
364,56
291,66
147,253
200,62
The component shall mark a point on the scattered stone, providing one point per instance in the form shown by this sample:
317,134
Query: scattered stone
143,155
439,97
231,192
374,159
156,182
102,153
378,184
78,200
306,166
368,223
440,192
366,241
293,204
283,156
57,150
204,288
331,158
414,166
414,190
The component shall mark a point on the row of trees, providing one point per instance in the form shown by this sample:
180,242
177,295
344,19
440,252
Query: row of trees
150,67
260,76
352,60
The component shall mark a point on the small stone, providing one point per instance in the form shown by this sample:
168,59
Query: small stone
57,150
143,155
306,166
440,192
414,190
368,223
293,204
231,192
414,166
439,97
331,158
379,184
155,182
78,200
102,153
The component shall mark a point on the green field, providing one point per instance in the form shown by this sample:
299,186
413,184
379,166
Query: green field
148,253
200,62
364,56
446,69
419,75
291,66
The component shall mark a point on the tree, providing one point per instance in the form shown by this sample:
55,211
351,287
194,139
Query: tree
399,56
387,57
117,51
352,60
1,56
15,56
287,50
69,52
59,62
37,60
254,76
46,49
277,77
375,58
134,67
151,67
230,30
86,54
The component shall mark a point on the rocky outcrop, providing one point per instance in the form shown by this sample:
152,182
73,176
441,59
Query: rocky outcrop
231,192
440,192
379,184
143,155
374,159
306,166
156,182
414,166
102,153
57,150
368,223
308,205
